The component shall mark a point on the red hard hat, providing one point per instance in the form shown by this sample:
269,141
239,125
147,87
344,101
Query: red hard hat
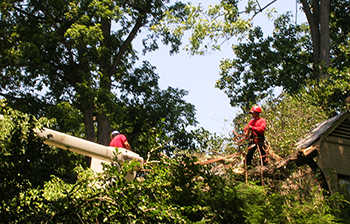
256,109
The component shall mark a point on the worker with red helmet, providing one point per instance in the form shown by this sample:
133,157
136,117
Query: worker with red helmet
255,129
119,140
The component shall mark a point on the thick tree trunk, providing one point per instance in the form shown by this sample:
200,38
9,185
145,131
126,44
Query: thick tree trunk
89,124
317,14
104,130
108,70
104,127
89,129
299,158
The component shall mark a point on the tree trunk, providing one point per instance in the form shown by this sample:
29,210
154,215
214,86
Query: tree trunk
89,124
89,129
324,38
278,169
104,127
108,70
104,130
317,14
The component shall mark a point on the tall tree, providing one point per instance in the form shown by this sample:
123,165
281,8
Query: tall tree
81,52
264,63
290,58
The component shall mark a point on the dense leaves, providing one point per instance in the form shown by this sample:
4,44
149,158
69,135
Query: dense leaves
77,57
26,164
89,82
176,190
262,64
292,57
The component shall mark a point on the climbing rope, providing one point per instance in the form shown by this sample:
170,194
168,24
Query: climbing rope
237,136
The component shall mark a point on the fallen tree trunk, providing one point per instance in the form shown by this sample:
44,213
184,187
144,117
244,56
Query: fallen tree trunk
299,158
280,169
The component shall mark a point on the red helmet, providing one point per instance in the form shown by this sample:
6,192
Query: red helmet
256,109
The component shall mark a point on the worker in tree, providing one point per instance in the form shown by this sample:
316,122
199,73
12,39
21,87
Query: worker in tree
119,140
255,131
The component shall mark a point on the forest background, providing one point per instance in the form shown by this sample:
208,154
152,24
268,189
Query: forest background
64,67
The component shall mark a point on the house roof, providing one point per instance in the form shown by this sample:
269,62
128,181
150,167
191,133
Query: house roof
322,128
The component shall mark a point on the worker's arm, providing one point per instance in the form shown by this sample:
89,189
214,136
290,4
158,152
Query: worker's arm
247,132
260,126
248,126
127,145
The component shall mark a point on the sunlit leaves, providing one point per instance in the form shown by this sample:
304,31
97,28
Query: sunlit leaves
208,28
262,64
80,33
289,120
175,191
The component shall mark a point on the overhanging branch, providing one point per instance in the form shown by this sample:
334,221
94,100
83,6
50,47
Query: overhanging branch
126,44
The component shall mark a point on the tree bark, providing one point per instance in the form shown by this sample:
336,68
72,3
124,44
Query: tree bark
89,124
89,129
104,130
104,127
317,14
324,38
126,44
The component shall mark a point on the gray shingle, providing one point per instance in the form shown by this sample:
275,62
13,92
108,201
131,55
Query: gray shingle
317,132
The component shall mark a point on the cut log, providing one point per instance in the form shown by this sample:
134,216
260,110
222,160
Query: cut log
299,158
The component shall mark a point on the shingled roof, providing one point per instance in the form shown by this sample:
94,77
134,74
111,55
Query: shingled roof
325,127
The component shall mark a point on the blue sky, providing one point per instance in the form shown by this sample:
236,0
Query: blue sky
198,74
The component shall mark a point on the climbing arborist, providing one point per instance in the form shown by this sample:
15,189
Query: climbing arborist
255,132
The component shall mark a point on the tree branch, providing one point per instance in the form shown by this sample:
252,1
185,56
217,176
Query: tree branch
126,44
262,9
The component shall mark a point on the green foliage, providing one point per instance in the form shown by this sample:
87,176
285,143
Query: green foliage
155,118
331,94
68,119
208,28
340,29
61,199
289,119
261,64
75,61
69,49
341,201
175,191
26,164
